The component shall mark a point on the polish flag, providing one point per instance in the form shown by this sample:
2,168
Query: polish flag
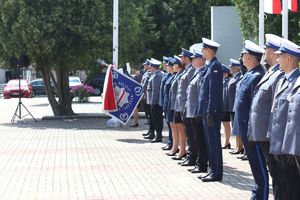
293,5
272,6
109,100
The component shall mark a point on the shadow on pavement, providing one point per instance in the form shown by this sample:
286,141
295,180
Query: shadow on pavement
133,141
40,105
237,179
73,124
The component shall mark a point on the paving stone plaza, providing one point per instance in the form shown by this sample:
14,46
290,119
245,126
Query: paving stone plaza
85,159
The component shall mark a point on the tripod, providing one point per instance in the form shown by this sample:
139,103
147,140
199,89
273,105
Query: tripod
18,111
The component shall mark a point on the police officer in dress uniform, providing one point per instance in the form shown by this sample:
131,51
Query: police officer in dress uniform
186,60
162,92
210,108
235,70
174,121
252,55
191,114
226,115
261,110
144,83
291,140
153,100
288,59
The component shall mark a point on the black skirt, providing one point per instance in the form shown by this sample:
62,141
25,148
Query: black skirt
226,117
177,118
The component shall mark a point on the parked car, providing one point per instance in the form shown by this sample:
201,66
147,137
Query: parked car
12,89
38,87
97,83
74,81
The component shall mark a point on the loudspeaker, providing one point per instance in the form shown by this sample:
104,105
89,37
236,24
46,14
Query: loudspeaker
14,62
22,62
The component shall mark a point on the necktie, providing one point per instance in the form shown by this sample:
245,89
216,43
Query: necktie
283,82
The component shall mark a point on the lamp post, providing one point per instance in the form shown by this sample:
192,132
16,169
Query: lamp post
116,33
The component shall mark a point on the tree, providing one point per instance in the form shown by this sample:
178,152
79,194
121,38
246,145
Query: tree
59,35
248,13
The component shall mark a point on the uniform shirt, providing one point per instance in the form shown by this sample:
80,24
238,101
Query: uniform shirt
144,82
162,87
173,91
291,139
153,88
193,93
225,94
182,86
244,99
279,111
166,93
262,103
231,90
211,90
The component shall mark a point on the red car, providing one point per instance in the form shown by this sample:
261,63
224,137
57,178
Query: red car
11,90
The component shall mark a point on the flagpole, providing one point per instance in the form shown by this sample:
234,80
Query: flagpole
261,17
285,18
116,33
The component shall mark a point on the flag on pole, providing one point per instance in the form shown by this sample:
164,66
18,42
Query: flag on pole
293,5
272,6
122,95
109,100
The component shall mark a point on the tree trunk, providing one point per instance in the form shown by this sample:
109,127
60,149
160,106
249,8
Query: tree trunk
51,98
62,107
63,91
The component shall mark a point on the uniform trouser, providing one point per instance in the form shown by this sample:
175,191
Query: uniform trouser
297,158
151,126
273,169
148,112
157,120
213,143
199,140
170,138
170,141
190,139
258,168
288,179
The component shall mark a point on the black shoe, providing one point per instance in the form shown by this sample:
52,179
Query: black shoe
166,148
188,164
204,176
155,140
145,134
184,161
228,146
241,157
210,178
198,170
135,125
179,158
237,152
172,154
245,157
149,137
191,169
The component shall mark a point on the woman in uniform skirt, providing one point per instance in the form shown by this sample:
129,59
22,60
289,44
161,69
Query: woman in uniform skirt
175,118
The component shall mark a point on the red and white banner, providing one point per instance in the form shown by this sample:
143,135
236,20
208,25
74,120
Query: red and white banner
293,5
272,6
109,100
